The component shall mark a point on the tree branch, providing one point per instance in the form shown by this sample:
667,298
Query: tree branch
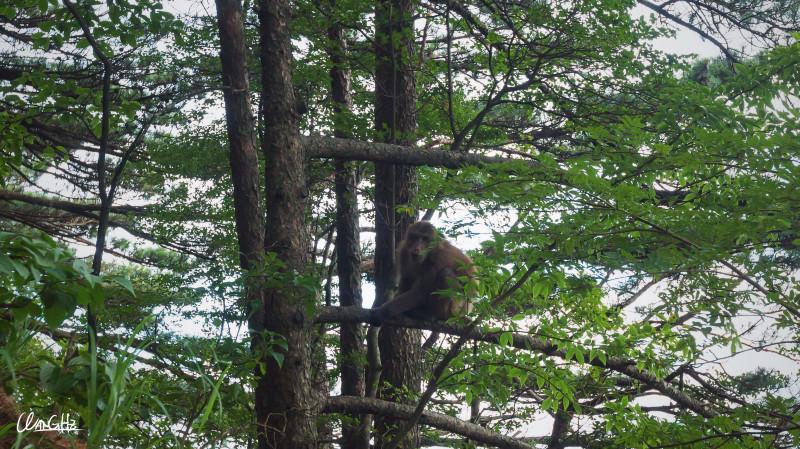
677,19
355,150
69,206
353,404
529,343
451,354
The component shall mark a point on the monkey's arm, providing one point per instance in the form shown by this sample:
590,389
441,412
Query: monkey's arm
404,302
411,299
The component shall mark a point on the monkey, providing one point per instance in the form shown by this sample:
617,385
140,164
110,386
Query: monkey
429,266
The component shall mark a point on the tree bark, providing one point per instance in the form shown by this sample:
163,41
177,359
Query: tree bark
348,242
561,427
287,400
395,185
244,172
241,134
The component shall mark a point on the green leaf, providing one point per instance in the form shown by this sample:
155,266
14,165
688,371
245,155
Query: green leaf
20,268
8,11
214,397
579,355
6,264
97,296
4,430
55,315
279,358
126,283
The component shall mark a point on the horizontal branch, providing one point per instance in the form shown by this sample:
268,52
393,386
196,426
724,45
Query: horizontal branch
529,343
356,150
317,147
68,206
356,405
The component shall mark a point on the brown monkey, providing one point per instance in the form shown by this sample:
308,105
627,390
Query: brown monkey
429,267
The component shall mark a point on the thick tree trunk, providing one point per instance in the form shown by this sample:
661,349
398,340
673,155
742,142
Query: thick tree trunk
287,399
561,428
348,247
395,122
241,133
243,154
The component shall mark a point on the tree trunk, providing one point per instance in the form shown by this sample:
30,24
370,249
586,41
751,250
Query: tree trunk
241,134
348,247
243,155
287,399
244,169
395,122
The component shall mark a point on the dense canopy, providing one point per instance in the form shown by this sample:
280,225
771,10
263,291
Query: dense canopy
200,201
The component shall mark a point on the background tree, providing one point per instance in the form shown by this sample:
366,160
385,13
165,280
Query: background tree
395,188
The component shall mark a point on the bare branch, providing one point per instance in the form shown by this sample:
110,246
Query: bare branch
354,150
677,19
353,404
69,206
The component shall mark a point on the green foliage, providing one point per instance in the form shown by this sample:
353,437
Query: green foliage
111,395
41,277
679,195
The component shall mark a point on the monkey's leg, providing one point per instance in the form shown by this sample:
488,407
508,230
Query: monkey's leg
401,304
420,313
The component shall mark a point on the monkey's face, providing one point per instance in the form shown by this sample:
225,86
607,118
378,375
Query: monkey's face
419,241
419,248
